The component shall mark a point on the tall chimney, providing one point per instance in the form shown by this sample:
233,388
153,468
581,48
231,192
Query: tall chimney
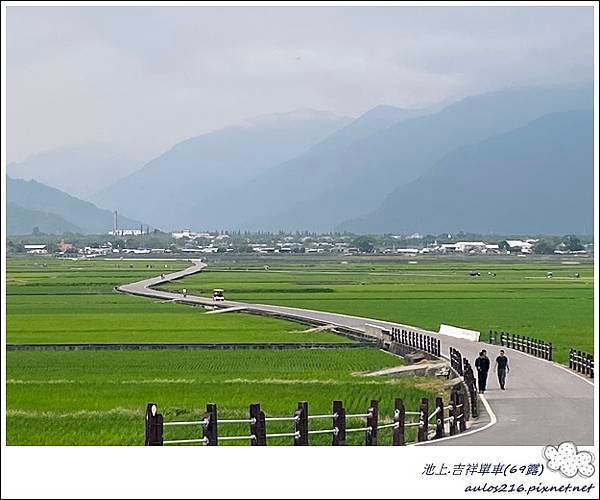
115,223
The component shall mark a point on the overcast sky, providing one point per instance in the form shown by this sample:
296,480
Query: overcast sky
147,77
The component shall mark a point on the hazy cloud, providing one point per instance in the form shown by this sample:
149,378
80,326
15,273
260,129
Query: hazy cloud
147,77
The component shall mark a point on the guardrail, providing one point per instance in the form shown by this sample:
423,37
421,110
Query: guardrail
442,421
418,340
535,347
582,362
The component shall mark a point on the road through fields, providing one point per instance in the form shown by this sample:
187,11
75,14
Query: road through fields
545,403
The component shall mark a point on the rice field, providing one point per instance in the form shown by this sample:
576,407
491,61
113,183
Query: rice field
512,294
99,397
63,301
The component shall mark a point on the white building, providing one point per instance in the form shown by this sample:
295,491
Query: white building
126,232
520,245
469,246
188,233
36,249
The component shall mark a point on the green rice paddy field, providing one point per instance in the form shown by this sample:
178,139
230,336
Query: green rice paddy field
518,299
99,397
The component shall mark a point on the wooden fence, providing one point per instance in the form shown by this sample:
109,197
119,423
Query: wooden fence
462,366
420,341
456,361
532,346
582,362
429,425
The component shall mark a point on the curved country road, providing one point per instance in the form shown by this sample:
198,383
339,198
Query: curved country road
545,403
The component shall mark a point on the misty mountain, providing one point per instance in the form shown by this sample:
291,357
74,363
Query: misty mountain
329,184
78,170
21,221
250,199
534,179
35,196
165,189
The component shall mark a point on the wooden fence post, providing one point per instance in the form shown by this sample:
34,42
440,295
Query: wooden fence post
462,427
372,422
439,418
258,429
339,423
452,413
423,421
302,424
210,431
154,426
399,416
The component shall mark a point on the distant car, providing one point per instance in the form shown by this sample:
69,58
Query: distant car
474,273
218,295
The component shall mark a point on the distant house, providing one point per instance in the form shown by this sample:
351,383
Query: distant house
64,247
126,232
492,249
470,246
36,249
520,246
448,248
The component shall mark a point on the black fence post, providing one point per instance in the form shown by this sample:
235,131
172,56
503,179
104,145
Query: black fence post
301,414
339,423
399,416
439,418
423,420
372,422
452,413
461,412
209,430
550,349
154,426
258,425
571,351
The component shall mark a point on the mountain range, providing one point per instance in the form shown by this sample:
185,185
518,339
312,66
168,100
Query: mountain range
390,170
168,187
78,170
328,185
537,176
33,204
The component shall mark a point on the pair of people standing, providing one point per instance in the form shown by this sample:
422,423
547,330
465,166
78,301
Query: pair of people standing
482,363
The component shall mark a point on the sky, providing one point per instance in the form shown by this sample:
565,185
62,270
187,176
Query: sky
144,78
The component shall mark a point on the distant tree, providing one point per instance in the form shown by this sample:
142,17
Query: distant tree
572,243
544,247
14,247
36,231
365,244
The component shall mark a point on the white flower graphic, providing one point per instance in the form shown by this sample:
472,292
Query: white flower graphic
568,461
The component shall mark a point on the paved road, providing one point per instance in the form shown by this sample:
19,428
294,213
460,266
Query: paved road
544,403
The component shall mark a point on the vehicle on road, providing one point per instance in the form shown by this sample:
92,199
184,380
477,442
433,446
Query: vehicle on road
218,294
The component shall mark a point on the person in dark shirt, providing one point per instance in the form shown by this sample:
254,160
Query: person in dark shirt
502,368
482,363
